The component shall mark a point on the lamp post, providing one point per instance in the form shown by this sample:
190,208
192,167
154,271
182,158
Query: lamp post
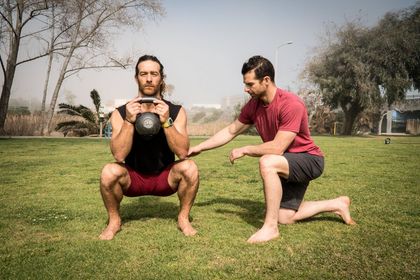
277,53
101,119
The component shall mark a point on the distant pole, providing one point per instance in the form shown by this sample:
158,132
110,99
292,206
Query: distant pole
101,119
277,54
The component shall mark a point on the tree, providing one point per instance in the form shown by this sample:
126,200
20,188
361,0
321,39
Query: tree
360,69
342,74
15,17
50,50
394,54
87,28
86,121
79,29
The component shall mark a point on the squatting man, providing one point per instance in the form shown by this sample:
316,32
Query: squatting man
289,159
147,166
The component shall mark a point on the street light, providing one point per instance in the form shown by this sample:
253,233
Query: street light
101,119
277,53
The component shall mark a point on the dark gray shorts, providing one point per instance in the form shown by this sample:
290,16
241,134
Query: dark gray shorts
303,168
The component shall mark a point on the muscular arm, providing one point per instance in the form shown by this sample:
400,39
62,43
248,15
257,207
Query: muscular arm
177,135
277,146
220,138
122,136
123,130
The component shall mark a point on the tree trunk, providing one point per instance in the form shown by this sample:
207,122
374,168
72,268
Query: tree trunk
48,120
9,73
47,79
350,116
348,123
50,114
5,96
50,58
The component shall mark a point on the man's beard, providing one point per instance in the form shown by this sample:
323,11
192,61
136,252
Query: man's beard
150,92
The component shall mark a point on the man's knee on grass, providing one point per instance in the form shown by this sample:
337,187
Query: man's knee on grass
286,216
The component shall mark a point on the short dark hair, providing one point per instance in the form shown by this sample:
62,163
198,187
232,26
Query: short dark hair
261,66
147,57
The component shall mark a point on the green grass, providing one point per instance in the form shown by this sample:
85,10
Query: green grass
52,213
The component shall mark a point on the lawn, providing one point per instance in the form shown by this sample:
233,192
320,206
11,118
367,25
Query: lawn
52,213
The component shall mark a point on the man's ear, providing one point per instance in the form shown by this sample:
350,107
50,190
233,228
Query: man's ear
267,79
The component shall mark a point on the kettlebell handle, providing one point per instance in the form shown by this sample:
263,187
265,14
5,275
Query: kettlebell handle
147,100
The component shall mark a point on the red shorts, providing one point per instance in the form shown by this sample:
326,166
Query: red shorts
145,184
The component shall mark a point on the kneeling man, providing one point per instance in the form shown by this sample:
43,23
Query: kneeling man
289,159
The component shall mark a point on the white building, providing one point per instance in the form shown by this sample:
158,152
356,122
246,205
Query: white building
206,106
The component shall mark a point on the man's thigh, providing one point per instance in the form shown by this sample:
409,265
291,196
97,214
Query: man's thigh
293,193
304,167
182,169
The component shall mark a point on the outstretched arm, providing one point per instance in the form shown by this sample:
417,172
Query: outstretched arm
220,138
277,146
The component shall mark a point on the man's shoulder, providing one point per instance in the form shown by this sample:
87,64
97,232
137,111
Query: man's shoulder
120,109
287,94
253,102
174,109
171,103
290,98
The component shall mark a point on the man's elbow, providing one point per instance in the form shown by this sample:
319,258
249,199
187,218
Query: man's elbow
182,155
119,157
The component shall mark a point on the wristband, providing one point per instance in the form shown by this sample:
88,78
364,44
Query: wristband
169,122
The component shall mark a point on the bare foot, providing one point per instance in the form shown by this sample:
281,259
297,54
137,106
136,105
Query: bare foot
110,231
344,210
185,226
264,234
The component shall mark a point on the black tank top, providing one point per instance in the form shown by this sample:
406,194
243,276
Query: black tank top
151,156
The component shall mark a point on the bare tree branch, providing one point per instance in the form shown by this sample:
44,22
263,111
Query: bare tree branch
35,13
9,23
39,56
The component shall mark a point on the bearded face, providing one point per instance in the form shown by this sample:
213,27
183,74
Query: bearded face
149,79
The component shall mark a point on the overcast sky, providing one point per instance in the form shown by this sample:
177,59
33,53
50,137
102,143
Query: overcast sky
203,44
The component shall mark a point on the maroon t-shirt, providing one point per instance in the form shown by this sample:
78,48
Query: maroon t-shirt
286,112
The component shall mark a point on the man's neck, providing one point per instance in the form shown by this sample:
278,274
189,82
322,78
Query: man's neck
269,94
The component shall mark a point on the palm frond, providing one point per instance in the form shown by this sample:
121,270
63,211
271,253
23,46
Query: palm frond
67,106
68,124
94,95
79,127
89,116
69,109
86,120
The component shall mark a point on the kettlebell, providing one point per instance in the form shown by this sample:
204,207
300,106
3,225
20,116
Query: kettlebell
147,124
